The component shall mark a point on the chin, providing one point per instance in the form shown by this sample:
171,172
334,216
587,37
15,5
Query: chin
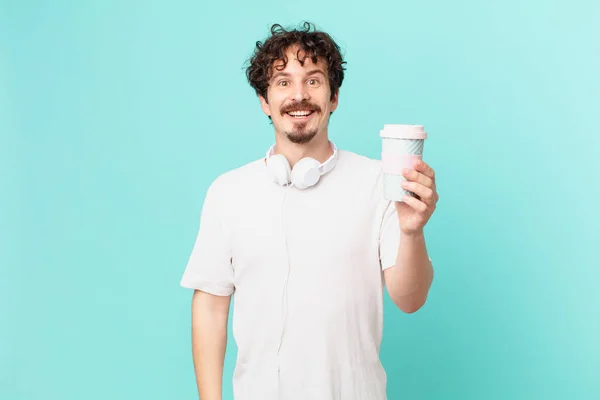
301,137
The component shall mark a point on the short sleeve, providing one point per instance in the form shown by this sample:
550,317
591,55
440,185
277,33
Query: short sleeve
209,267
389,236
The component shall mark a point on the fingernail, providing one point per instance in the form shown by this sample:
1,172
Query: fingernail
405,171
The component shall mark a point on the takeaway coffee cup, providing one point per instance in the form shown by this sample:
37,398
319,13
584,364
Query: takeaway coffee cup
401,147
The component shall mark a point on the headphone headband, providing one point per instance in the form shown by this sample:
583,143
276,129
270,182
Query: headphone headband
306,172
330,162
325,167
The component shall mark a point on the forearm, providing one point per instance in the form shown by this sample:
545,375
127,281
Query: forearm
409,281
209,340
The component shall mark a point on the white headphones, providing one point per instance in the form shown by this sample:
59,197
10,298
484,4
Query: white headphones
306,172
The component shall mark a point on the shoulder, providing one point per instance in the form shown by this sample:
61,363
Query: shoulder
358,160
227,181
361,171
359,166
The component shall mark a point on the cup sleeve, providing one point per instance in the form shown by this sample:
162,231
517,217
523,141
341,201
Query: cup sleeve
209,267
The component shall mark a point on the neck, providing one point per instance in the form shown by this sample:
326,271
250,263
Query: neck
318,148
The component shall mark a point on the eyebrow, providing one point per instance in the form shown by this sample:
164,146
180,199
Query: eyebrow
316,71
287,74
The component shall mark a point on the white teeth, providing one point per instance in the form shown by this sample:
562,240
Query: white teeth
299,113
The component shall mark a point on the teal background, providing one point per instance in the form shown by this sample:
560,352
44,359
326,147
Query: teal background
115,116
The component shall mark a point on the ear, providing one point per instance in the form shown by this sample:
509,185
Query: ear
265,106
334,101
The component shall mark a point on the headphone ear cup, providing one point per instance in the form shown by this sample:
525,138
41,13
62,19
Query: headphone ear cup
279,169
306,173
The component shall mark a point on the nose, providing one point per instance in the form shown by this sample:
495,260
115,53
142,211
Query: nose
300,93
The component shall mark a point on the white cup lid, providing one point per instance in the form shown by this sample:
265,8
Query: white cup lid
396,131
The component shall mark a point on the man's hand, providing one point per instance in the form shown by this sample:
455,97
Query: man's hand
414,213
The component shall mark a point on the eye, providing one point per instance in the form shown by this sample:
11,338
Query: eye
283,83
313,82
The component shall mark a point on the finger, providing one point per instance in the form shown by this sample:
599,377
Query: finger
416,176
427,195
425,169
417,205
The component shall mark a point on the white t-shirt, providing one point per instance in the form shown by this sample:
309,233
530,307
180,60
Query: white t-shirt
306,270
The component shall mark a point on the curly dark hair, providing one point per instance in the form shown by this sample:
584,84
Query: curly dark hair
311,43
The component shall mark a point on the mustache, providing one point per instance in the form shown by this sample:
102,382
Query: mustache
300,106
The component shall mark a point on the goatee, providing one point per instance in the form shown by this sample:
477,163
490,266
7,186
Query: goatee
300,136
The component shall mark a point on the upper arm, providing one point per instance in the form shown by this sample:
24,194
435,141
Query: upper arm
389,236
211,304
209,266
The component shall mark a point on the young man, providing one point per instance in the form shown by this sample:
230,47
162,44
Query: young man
306,241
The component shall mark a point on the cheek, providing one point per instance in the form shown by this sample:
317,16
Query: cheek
276,98
325,101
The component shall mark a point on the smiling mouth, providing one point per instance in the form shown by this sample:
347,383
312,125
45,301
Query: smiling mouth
300,114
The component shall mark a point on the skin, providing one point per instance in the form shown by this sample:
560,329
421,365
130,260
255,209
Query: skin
408,282
209,341
298,138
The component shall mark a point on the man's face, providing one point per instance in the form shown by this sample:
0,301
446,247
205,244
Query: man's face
299,99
